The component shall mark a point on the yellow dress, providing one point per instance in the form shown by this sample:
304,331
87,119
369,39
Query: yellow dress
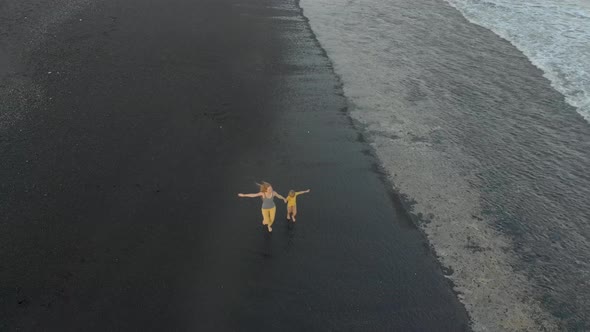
292,201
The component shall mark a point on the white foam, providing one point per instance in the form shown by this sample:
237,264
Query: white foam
554,35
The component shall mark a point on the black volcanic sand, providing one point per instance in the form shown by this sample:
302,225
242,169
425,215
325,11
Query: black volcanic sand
119,190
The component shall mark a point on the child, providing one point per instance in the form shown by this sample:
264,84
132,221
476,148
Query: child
292,203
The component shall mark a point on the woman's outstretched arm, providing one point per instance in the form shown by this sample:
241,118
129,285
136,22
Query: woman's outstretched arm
250,195
279,196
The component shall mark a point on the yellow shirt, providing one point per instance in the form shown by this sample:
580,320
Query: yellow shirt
292,201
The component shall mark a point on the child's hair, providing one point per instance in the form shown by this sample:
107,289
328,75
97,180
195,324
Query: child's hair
263,186
292,193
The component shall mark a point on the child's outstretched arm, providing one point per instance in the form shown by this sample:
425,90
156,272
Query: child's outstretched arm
250,195
303,192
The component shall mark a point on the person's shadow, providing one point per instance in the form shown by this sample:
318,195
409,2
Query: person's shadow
290,232
266,245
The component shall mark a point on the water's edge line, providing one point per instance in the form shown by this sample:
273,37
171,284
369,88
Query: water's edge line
407,205
401,202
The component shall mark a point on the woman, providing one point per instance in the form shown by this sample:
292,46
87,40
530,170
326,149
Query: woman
269,208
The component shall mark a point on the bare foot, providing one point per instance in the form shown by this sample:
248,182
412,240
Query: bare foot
269,229
288,218
293,219
264,222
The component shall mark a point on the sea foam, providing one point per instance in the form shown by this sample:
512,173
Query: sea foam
554,35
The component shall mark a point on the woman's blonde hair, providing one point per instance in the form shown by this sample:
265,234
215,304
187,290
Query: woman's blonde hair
263,186
292,193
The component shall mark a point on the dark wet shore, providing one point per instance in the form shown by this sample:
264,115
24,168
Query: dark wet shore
118,194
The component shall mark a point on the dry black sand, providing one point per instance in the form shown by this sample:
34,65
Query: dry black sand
119,183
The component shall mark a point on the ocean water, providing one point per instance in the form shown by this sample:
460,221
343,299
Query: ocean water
554,35
480,117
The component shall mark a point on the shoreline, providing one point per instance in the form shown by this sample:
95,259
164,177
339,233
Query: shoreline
430,117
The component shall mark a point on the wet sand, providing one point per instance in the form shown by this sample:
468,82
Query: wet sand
119,188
